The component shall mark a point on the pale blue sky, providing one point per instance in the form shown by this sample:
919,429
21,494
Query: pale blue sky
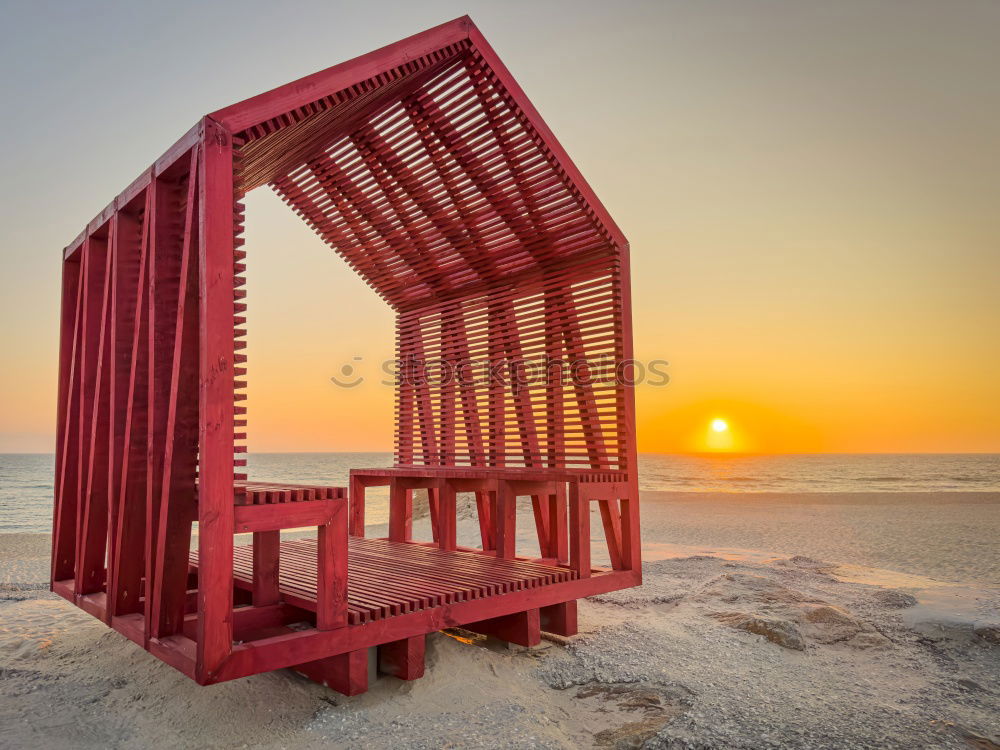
810,189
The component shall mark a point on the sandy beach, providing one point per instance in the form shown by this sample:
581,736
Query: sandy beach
765,620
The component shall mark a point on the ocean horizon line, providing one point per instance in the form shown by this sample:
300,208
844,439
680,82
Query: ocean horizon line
686,454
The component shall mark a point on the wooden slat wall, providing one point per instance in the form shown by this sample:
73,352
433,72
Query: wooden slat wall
128,416
460,403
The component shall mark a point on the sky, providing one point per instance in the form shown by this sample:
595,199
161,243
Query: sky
809,188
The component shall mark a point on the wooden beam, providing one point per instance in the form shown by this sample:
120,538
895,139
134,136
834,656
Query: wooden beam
345,673
560,619
128,562
403,658
216,385
266,568
177,491
67,466
521,628
303,91
248,518
332,571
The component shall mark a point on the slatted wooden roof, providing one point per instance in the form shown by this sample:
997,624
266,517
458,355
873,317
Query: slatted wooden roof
427,170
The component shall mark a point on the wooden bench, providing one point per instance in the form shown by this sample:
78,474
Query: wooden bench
563,537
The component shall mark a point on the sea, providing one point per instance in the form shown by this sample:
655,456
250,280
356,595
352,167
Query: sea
26,479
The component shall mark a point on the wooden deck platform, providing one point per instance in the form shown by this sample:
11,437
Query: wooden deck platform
387,578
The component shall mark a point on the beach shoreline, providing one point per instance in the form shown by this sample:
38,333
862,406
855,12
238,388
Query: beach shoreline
745,634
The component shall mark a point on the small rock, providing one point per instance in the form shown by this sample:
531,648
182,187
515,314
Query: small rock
972,686
989,632
782,632
825,623
894,599
869,640
631,735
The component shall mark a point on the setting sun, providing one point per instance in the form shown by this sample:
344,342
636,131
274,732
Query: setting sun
719,438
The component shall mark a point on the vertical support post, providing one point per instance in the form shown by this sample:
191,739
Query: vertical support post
484,511
434,510
266,567
632,556
403,659
558,532
540,509
356,497
129,530
400,512
522,628
92,551
611,519
447,513
164,261
631,543
90,399
177,502
345,673
215,393
506,520
118,318
64,518
560,619
579,531
331,576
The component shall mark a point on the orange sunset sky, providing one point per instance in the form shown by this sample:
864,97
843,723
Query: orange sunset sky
810,190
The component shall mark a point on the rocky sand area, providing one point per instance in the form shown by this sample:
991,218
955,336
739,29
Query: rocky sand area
711,652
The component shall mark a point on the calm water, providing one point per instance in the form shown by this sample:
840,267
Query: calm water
26,479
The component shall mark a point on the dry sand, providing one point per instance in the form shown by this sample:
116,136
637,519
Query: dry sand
726,645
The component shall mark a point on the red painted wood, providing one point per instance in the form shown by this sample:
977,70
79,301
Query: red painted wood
357,501
248,518
389,578
177,508
611,520
521,628
579,531
216,362
506,520
400,512
164,263
67,466
128,560
282,651
332,571
560,619
483,508
277,102
92,543
447,517
403,658
558,546
345,673
266,564
90,355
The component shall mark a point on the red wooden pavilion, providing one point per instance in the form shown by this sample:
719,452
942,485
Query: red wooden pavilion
424,165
